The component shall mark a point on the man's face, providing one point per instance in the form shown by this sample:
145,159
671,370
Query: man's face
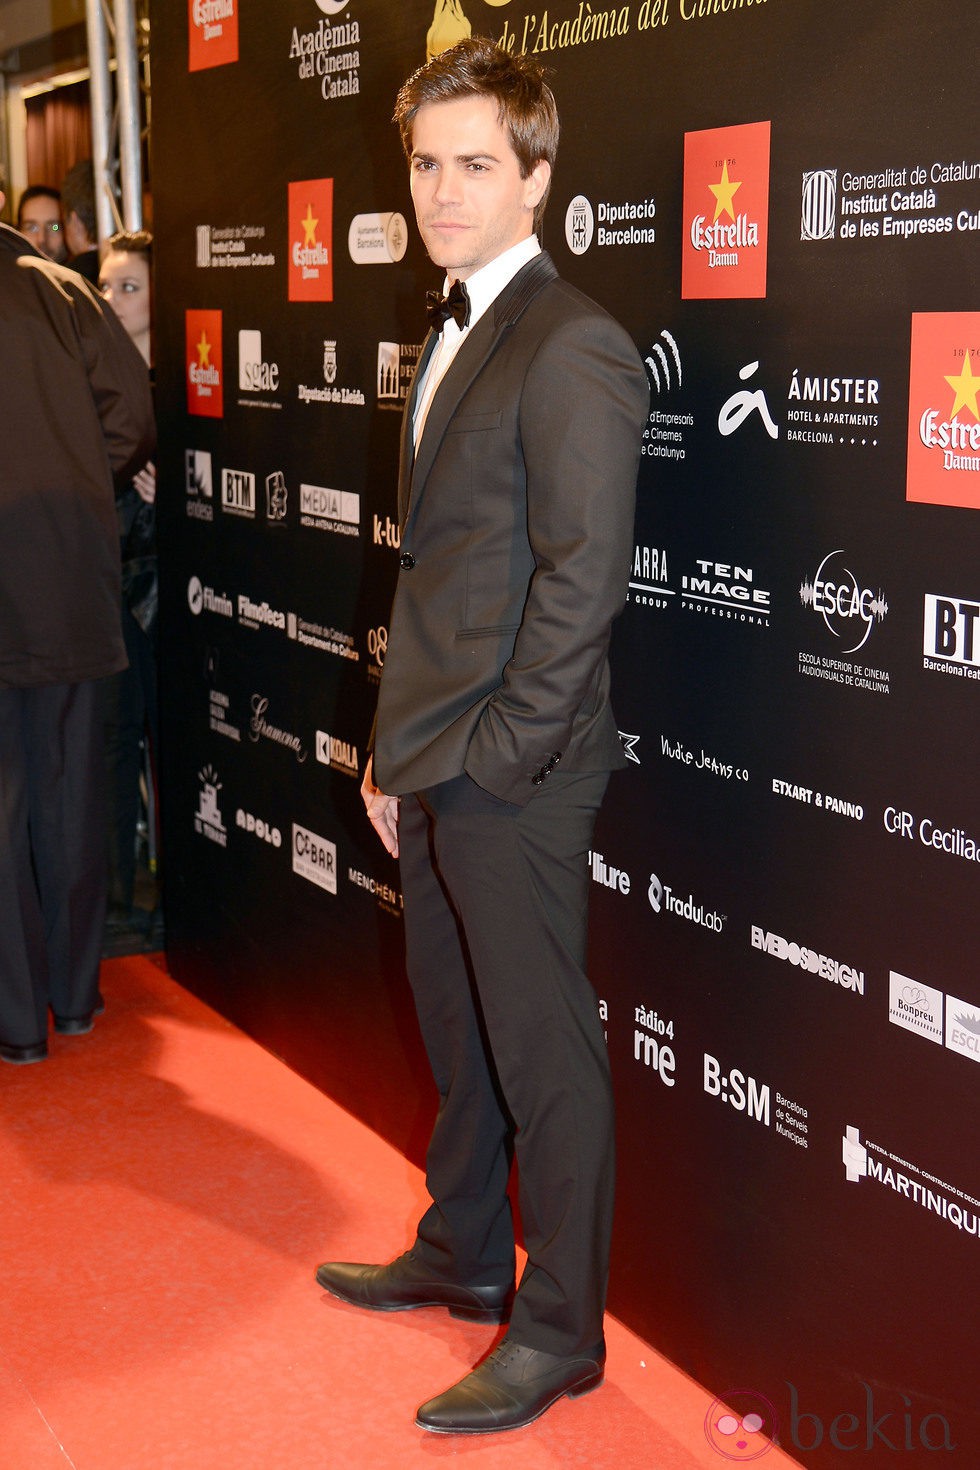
40,221
470,200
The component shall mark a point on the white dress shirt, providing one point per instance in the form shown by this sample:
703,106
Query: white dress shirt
483,288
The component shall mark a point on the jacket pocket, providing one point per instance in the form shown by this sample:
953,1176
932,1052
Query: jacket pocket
465,423
487,632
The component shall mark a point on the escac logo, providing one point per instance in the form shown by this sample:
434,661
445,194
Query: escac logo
848,610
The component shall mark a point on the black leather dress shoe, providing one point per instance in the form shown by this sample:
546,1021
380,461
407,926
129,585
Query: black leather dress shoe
21,1055
406,1283
511,1388
79,1025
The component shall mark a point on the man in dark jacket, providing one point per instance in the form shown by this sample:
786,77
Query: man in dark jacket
74,409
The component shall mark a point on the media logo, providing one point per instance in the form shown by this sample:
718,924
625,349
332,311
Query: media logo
915,1007
255,375
311,240
944,409
315,858
199,484
951,635
848,611
338,511
238,493
819,214
212,33
208,820
726,212
205,396
377,239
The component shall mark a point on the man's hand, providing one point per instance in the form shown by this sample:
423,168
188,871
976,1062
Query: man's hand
145,481
381,809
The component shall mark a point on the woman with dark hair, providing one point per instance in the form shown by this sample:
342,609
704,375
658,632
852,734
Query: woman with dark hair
131,696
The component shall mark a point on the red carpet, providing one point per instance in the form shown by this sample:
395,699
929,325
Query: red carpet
169,1188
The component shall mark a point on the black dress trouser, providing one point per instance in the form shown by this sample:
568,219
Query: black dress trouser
52,856
496,899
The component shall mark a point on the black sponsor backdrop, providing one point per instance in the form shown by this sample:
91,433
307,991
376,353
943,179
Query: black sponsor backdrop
749,1258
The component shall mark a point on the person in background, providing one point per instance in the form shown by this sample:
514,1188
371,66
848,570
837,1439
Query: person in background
75,408
78,208
39,219
125,279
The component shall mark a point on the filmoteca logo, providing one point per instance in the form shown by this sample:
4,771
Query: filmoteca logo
944,409
726,212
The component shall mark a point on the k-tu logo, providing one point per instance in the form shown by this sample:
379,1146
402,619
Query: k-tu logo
212,33
726,212
944,409
205,395
310,240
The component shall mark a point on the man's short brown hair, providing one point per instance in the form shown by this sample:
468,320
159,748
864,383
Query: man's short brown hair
478,67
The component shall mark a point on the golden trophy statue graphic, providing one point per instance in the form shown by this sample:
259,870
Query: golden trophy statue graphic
449,25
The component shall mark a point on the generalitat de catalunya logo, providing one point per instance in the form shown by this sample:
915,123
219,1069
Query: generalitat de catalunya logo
944,409
311,240
726,212
205,388
212,33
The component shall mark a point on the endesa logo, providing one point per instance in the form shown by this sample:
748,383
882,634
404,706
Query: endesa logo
212,33
726,212
205,395
944,413
311,240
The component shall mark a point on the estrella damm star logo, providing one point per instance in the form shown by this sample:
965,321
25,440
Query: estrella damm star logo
726,212
944,409
205,380
311,240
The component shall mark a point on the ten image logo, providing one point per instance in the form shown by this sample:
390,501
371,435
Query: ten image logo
212,32
726,212
205,395
311,240
944,413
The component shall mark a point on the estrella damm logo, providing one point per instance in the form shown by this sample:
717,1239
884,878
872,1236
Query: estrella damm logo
205,385
212,33
311,240
944,409
726,212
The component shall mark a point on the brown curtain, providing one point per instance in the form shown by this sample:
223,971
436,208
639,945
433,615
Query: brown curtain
59,133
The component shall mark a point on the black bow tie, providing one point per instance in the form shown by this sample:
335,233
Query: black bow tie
441,308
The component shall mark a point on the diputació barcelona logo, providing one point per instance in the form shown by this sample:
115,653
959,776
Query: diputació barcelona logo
726,212
944,409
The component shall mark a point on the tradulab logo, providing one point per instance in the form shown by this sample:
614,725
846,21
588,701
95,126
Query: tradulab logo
205,395
212,33
726,212
311,240
944,409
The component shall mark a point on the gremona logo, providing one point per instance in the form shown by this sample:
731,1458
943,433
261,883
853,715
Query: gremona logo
809,960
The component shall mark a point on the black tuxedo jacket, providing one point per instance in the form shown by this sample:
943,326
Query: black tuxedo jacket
516,519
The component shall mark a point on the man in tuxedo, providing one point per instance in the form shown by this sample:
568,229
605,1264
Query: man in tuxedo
494,740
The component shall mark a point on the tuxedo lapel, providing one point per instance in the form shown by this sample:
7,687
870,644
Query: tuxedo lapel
471,359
